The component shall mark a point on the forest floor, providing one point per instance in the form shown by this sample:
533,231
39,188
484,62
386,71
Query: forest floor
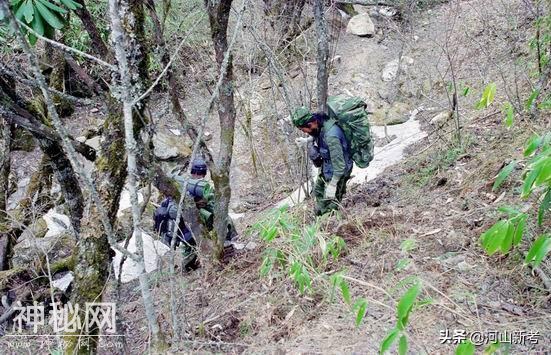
421,218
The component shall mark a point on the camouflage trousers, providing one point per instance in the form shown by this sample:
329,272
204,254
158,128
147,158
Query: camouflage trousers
323,205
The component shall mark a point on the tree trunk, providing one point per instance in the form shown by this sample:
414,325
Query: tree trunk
5,165
323,54
98,45
219,13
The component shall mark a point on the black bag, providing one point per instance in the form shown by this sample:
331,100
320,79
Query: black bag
163,222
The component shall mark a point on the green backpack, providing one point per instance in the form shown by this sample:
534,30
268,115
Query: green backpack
351,115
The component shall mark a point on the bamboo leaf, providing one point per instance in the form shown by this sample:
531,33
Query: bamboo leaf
532,145
493,237
345,290
360,306
503,174
466,348
487,96
519,230
529,182
544,206
539,250
509,114
406,303
403,345
388,341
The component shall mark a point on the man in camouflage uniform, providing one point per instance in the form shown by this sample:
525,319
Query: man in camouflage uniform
329,150
203,195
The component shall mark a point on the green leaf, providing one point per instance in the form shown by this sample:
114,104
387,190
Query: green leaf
71,4
28,11
519,229
529,182
51,18
345,291
509,114
503,174
531,99
21,9
544,206
507,241
493,237
510,211
532,145
402,264
466,91
466,348
487,96
408,245
539,250
38,24
360,306
406,303
387,342
403,345
545,170
53,7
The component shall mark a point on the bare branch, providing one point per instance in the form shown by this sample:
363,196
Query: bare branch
67,48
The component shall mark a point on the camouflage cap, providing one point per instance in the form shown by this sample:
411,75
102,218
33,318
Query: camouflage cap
301,116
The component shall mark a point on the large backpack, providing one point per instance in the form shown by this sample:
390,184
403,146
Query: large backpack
162,221
351,115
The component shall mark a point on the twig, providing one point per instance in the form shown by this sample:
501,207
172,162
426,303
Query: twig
67,48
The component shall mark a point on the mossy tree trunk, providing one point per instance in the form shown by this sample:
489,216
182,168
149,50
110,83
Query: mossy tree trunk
219,13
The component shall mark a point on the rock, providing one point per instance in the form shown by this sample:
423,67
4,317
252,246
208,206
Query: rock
125,203
57,223
361,25
398,113
390,71
387,11
441,118
37,229
391,68
62,283
175,131
207,136
336,59
81,139
56,247
361,9
94,110
168,146
94,142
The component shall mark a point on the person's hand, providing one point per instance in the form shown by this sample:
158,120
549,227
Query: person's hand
303,141
331,190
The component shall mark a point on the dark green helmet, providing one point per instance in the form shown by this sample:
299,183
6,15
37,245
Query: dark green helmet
301,116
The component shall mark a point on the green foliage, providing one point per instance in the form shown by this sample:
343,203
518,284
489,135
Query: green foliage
403,311
302,254
507,233
360,308
503,174
504,234
509,112
539,250
43,16
465,348
487,96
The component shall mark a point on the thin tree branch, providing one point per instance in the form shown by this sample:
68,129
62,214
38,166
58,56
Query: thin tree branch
67,48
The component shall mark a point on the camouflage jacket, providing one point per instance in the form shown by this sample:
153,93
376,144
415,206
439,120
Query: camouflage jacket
334,150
